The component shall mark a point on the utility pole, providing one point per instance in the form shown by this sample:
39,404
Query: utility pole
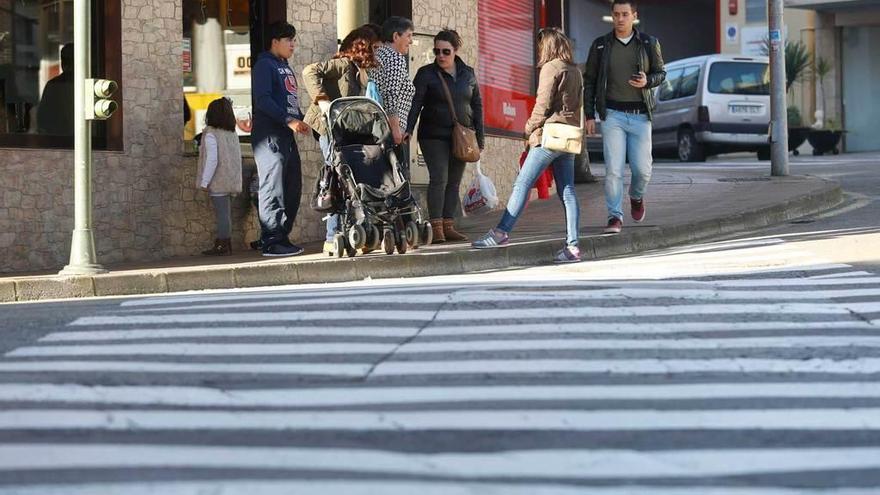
778,109
90,102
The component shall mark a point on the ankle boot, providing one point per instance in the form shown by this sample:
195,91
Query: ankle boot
222,247
437,231
450,233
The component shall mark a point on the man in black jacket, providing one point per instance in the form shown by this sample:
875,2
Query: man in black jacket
622,69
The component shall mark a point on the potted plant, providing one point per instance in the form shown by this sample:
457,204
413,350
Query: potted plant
826,139
825,134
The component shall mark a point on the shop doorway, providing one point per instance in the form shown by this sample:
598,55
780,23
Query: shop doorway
221,39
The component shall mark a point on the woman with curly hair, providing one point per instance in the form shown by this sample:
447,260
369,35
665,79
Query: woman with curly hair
343,75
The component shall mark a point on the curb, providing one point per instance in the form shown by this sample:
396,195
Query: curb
428,264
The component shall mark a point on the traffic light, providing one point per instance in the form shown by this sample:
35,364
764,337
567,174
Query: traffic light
98,105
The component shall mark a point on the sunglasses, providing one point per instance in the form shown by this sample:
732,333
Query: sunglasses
444,51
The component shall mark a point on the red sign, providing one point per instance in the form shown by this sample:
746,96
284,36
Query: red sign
506,63
732,6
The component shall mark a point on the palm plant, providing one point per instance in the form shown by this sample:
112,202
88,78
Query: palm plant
797,61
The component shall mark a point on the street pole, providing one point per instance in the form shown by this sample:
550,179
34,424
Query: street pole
778,110
83,260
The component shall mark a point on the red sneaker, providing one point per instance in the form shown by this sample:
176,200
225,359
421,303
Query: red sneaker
614,226
637,208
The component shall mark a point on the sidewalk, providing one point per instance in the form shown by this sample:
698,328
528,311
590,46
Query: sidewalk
683,206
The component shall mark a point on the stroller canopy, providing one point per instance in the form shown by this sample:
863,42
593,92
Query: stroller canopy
358,120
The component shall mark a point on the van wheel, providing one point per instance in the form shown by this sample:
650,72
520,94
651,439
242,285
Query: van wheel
764,153
689,150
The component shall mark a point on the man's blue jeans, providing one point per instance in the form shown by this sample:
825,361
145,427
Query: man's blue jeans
280,170
625,135
563,173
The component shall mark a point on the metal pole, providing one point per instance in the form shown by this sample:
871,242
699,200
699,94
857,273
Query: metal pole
779,112
82,246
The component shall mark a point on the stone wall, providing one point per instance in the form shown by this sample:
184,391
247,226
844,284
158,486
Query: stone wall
36,209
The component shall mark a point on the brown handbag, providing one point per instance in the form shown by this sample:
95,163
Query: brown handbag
464,139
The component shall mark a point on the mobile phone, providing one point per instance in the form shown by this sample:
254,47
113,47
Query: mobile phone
635,76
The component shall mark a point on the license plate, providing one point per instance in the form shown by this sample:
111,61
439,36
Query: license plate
746,109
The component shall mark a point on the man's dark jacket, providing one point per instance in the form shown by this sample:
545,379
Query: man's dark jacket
596,72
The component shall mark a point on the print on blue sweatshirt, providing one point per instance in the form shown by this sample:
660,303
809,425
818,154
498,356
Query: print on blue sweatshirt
275,93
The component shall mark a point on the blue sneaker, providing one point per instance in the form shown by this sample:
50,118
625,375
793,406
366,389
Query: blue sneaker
568,254
492,239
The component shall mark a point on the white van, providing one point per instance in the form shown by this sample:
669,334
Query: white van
714,104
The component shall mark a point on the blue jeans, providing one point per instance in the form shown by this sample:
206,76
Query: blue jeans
333,220
625,135
280,171
563,173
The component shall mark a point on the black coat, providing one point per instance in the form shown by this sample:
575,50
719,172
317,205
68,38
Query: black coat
430,101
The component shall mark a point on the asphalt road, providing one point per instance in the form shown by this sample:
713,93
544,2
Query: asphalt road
744,366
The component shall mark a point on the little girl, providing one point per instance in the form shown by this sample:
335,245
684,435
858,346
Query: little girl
219,170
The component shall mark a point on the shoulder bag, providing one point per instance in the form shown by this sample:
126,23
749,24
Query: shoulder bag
464,139
564,137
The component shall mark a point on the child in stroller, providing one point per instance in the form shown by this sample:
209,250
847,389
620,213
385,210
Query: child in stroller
365,184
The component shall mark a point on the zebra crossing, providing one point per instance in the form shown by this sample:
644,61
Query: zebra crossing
760,382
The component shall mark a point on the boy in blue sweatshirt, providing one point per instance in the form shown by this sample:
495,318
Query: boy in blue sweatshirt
277,117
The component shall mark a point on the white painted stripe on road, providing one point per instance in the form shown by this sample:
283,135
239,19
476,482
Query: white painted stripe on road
842,275
199,349
794,282
282,294
275,349
349,396
269,316
645,327
637,311
631,366
477,296
249,331
501,366
560,463
330,369
824,419
394,487
466,330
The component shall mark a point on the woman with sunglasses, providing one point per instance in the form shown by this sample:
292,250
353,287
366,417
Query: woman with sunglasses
559,99
435,128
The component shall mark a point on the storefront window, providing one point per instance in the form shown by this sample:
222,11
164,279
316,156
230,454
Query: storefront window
216,61
506,63
36,72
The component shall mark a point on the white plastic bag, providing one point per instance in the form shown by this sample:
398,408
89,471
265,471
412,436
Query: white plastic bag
481,197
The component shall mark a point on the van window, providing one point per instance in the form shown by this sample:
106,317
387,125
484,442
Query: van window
669,89
739,78
690,79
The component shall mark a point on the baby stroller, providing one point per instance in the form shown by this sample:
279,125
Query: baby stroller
366,184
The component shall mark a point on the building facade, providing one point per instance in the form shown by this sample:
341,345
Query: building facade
847,36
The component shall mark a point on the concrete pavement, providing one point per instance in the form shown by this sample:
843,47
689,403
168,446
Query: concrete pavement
683,206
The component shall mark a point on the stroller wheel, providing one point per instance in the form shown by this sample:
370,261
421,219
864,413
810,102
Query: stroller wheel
357,236
388,241
400,241
377,238
412,234
338,245
427,234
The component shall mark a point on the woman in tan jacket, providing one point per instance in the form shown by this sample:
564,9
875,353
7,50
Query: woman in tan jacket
343,75
559,99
